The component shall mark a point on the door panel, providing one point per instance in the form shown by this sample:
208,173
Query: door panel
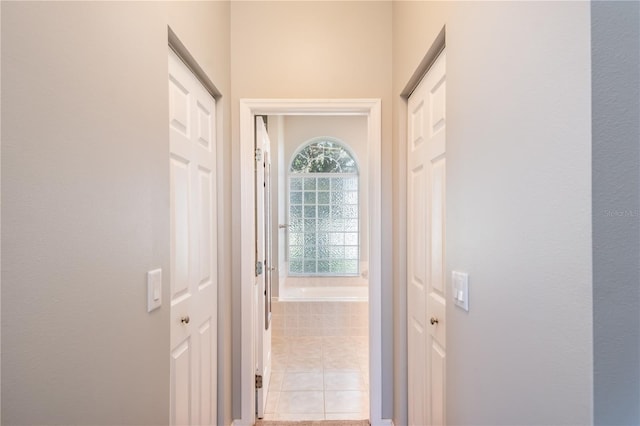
426,164
437,225
206,363
193,249
417,342
205,118
437,358
205,178
179,107
181,389
179,199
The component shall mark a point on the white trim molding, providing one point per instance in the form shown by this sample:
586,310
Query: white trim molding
371,108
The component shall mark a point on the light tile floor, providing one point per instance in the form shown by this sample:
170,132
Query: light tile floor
319,378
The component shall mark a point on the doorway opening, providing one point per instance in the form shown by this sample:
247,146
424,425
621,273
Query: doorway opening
320,350
367,110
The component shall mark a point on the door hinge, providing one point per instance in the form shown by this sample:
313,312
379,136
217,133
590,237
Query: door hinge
258,381
258,268
258,155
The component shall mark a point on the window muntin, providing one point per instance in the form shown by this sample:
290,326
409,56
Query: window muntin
323,211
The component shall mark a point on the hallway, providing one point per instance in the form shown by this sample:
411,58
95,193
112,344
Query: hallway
542,208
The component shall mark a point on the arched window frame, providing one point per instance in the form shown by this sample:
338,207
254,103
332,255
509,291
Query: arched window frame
324,218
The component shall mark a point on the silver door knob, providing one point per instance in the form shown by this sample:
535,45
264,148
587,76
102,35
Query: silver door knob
185,320
283,225
434,320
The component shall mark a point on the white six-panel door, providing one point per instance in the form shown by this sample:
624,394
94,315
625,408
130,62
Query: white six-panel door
193,295
426,172
263,255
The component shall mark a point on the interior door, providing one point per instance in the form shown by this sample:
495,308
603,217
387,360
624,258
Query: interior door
193,295
263,265
425,248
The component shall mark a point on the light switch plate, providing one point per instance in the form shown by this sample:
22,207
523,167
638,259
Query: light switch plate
154,289
460,289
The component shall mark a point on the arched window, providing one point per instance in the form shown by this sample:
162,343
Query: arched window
323,210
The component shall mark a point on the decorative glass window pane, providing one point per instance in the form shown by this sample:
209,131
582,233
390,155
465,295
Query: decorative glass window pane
351,266
337,252
295,225
296,184
351,252
324,184
324,211
310,266
324,266
322,239
337,212
337,265
295,266
351,239
351,212
309,225
309,197
310,252
351,197
337,198
324,225
295,197
310,211
350,184
324,252
295,252
295,211
323,197
337,184
336,239
309,183
336,225
351,225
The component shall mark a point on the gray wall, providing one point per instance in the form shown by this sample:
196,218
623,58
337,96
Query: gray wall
615,41
518,206
85,206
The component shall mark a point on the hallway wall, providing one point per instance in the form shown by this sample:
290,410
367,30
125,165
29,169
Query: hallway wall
85,206
518,206
316,50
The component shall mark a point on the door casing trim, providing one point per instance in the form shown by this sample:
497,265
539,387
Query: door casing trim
371,108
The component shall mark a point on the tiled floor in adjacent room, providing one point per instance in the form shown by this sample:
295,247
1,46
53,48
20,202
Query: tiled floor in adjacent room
318,378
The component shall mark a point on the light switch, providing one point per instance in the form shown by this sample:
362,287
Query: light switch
460,290
154,289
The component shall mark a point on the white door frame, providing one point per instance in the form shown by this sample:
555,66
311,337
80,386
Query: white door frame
371,108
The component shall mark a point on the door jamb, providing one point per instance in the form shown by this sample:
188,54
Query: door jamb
248,109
